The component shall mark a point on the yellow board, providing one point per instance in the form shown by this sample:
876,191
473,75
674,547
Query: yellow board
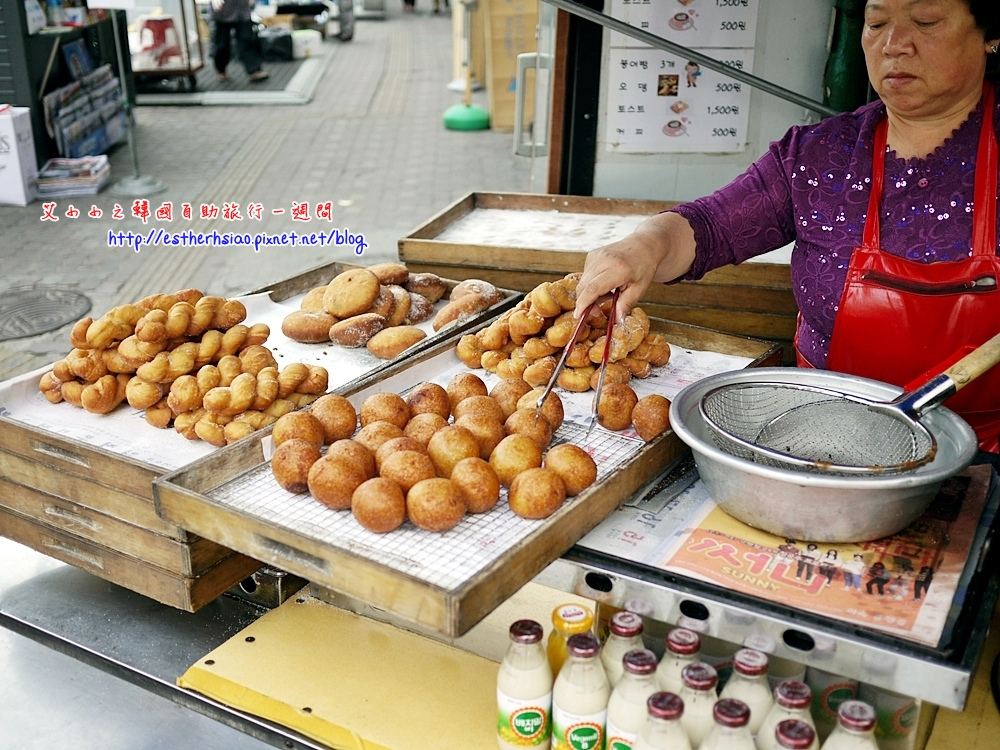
351,682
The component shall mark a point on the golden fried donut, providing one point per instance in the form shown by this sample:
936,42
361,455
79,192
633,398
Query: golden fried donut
390,273
537,347
450,445
371,436
308,327
356,453
421,309
536,493
487,430
479,403
524,422
614,412
351,293
463,385
291,463
333,479
422,427
561,331
469,350
539,371
429,397
435,504
298,425
496,334
576,379
384,302
513,455
313,301
337,415
428,285
477,286
507,393
379,505
651,416
542,301
614,372
389,447
478,482
385,407
391,342
574,466
357,330
552,408
459,309
406,468
400,306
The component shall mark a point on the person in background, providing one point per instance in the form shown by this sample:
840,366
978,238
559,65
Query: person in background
346,14
807,560
892,209
232,17
879,577
922,581
853,570
828,565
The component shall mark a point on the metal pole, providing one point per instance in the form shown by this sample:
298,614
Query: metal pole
704,60
136,185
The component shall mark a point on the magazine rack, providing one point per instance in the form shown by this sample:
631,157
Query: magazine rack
165,40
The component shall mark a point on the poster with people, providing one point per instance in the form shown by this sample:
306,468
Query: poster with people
903,584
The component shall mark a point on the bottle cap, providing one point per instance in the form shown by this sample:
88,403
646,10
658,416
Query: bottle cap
794,734
700,676
730,712
664,705
572,618
683,641
526,631
760,642
793,694
856,715
639,661
692,623
583,645
749,662
626,624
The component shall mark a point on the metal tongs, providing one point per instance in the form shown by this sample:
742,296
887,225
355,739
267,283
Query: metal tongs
604,360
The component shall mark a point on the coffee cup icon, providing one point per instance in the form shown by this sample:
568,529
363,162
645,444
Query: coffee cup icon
674,128
681,21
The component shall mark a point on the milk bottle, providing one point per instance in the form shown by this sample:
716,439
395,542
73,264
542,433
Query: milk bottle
524,691
794,734
682,647
748,683
731,730
627,706
855,728
698,693
792,700
625,635
580,697
663,730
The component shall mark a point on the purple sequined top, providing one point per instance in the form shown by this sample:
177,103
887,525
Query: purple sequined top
812,187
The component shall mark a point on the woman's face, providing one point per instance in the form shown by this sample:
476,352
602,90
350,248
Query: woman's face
924,57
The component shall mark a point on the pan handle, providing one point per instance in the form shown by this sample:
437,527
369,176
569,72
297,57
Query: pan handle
974,364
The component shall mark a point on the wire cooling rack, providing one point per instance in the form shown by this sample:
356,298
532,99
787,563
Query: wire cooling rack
446,559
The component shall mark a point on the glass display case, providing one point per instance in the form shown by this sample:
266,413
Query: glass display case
166,40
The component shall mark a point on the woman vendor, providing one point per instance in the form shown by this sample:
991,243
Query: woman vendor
892,209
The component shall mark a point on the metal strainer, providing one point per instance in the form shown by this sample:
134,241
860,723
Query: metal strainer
809,428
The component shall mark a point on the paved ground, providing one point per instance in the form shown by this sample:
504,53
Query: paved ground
371,142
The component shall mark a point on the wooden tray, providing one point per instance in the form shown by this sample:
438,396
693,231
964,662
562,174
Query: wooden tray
446,582
752,299
93,495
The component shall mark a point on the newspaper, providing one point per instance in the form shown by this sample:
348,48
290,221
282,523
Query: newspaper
904,585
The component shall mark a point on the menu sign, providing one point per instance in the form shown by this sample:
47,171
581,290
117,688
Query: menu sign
659,102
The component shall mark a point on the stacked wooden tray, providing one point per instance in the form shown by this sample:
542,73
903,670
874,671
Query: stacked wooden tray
85,501
752,299
446,582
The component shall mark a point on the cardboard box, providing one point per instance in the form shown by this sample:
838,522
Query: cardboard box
306,43
18,168
283,21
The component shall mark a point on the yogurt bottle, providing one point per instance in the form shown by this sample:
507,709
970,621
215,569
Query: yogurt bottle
627,706
792,700
580,697
663,730
829,692
524,691
748,683
698,694
896,717
624,636
779,669
855,728
731,730
794,734
682,647
567,620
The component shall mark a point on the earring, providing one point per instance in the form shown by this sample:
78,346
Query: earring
993,49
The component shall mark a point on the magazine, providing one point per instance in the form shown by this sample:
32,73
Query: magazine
903,585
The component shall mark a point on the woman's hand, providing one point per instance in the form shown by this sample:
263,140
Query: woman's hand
660,249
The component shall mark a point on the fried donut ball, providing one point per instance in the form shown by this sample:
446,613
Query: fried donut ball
478,482
507,393
573,465
651,416
485,429
614,411
435,504
337,415
371,436
298,424
333,480
291,463
536,493
406,468
552,409
429,397
307,326
524,422
481,404
356,453
513,455
379,505
422,427
391,342
397,444
385,407
463,385
351,292
449,446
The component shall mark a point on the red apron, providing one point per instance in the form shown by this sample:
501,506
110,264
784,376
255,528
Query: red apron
899,319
